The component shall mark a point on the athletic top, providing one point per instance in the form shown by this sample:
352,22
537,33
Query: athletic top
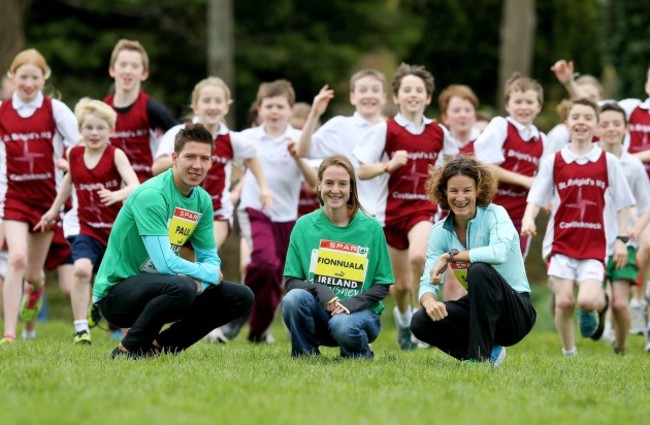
281,172
229,146
95,219
576,187
638,117
405,194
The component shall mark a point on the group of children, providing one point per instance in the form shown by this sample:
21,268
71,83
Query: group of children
99,154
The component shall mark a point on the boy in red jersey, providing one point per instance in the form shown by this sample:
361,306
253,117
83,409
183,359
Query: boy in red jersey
97,170
138,114
577,181
405,147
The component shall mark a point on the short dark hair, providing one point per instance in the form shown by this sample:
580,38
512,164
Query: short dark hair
486,183
192,133
585,102
416,70
615,107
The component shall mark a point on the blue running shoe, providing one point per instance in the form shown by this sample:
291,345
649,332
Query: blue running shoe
588,323
497,356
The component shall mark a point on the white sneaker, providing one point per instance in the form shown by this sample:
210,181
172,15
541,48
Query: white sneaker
638,317
216,336
609,336
647,347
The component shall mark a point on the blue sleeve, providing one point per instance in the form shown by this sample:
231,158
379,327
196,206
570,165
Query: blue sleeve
436,246
167,262
501,231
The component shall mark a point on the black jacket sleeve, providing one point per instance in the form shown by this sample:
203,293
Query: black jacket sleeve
159,116
376,293
322,293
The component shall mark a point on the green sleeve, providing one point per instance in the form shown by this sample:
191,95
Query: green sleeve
293,265
149,210
384,270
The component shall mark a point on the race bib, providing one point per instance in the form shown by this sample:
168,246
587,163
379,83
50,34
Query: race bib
460,271
340,266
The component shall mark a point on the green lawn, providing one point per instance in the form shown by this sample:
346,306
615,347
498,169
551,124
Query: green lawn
50,381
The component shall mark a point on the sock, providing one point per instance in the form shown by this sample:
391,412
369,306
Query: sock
27,335
637,303
570,353
404,319
81,325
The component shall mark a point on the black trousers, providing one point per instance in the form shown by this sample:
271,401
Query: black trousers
492,313
146,302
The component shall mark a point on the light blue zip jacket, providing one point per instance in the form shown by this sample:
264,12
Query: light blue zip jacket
491,238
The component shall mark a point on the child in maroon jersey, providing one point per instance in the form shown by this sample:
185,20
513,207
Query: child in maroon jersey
458,105
97,170
577,181
138,114
405,147
33,131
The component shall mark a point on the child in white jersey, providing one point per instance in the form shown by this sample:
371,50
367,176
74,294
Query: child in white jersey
268,230
97,170
404,147
578,181
33,131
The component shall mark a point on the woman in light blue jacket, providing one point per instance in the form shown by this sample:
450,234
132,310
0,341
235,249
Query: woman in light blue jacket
481,244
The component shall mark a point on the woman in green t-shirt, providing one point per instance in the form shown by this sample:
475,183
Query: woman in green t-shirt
337,270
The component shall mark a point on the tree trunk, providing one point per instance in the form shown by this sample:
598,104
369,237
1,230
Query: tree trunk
220,28
517,39
12,32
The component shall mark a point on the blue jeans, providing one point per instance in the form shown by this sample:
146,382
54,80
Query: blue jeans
312,326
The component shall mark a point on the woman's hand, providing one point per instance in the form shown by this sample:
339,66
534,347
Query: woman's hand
438,269
435,309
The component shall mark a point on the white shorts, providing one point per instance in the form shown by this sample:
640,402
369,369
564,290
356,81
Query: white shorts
564,267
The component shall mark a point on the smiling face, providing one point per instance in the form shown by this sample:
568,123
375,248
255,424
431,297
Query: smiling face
335,188
95,131
29,80
412,98
128,70
368,96
460,116
611,128
523,106
461,195
582,122
211,106
191,165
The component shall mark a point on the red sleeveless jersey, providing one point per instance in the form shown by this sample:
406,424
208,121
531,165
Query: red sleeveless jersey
218,177
639,128
406,194
95,219
133,135
523,158
27,173
579,228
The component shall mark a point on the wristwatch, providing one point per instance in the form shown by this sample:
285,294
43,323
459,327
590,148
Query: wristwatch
452,252
623,239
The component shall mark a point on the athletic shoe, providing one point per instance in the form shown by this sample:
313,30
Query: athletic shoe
32,303
609,336
619,351
7,339
572,353
647,347
216,336
405,338
638,317
497,356
82,338
116,335
588,323
263,338
138,354
94,316
601,321
29,335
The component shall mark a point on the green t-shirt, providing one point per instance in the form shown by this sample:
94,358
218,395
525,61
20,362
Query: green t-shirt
155,208
346,259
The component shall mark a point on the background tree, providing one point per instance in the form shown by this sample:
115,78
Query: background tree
12,33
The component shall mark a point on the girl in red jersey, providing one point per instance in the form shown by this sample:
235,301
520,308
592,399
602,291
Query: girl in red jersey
33,131
97,170
577,181
405,147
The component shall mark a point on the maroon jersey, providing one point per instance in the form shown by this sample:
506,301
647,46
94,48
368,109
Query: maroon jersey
133,135
406,194
27,156
95,219
579,228
218,178
523,158
639,128
308,201
468,149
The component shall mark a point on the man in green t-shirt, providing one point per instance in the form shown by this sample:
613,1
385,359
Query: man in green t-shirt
143,283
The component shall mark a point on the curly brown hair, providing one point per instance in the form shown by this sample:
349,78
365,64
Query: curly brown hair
486,183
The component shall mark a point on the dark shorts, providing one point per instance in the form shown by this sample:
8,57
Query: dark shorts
629,272
90,248
397,233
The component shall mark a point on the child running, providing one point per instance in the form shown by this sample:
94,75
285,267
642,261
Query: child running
513,147
33,131
138,114
97,170
405,147
578,181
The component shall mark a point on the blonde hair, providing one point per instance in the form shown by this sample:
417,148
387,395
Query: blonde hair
132,45
276,88
29,57
368,72
210,81
87,106
517,82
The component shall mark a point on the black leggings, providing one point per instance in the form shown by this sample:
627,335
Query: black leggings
146,302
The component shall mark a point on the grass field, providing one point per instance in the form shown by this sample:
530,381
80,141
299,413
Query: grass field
50,381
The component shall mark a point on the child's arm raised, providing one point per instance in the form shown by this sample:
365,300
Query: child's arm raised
318,108
308,173
254,165
129,177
